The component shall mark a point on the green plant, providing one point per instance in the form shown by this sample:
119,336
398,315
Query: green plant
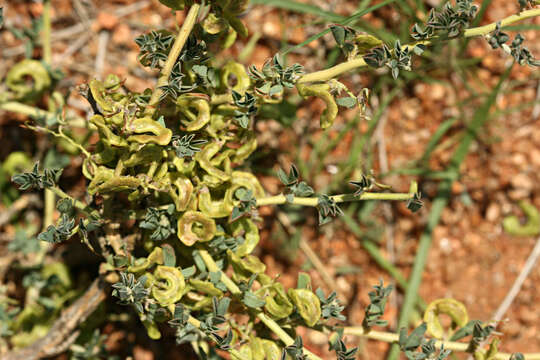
176,218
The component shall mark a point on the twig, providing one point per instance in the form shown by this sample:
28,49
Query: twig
103,40
313,201
63,332
181,39
450,345
74,30
329,281
358,63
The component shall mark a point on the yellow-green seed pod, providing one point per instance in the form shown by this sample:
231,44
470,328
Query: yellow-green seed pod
155,257
152,330
321,91
195,122
205,287
245,227
194,226
257,349
160,135
245,352
144,155
99,94
277,302
249,264
513,226
204,157
271,350
453,308
307,304
181,191
239,72
16,79
243,152
168,286
213,208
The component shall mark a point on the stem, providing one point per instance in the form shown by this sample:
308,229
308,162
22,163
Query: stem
235,290
46,33
313,201
450,345
78,204
327,74
28,110
181,39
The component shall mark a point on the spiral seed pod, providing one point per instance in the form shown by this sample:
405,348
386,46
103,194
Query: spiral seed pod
321,91
16,80
512,225
271,350
239,72
155,257
307,304
160,135
168,286
277,302
453,308
195,122
246,228
194,226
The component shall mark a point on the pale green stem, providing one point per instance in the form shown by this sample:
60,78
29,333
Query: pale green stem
325,75
46,32
78,204
235,290
313,201
181,39
450,345
235,353
24,109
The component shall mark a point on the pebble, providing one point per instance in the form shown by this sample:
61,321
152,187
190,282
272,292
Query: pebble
493,212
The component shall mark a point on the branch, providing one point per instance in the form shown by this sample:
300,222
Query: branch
450,345
358,63
313,201
63,332
181,39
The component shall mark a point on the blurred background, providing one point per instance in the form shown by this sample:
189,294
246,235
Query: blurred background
418,130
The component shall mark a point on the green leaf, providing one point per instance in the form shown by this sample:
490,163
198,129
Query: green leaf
252,301
347,102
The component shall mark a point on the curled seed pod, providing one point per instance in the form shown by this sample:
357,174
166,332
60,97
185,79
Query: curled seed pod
16,79
245,227
155,257
194,226
277,302
101,103
106,135
195,122
213,208
243,152
145,155
257,349
152,330
512,225
321,91
245,352
247,265
307,304
213,24
239,72
205,287
119,183
160,135
241,179
168,286
181,192
204,158
271,350
453,308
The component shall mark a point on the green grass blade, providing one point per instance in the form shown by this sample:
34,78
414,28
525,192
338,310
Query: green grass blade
480,118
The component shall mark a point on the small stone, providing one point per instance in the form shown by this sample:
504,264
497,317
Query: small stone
493,212
522,181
